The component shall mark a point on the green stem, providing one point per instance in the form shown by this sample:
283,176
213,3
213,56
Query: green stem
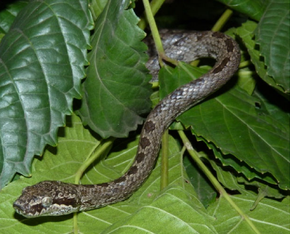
155,5
164,161
75,223
100,150
213,180
156,36
222,20
154,30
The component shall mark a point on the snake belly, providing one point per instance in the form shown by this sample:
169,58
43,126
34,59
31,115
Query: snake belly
54,198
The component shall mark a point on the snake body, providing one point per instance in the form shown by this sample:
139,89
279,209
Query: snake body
53,198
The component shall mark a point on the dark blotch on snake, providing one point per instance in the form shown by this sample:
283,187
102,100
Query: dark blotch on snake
229,45
140,157
144,142
104,185
221,66
149,126
133,170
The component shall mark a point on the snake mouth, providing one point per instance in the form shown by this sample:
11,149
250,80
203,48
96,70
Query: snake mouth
18,208
22,208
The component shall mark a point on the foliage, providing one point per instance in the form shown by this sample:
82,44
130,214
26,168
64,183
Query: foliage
241,132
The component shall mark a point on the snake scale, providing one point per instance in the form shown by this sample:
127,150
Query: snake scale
53,198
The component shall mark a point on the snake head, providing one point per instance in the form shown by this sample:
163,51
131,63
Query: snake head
47,198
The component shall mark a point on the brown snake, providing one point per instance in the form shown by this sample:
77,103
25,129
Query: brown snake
53,198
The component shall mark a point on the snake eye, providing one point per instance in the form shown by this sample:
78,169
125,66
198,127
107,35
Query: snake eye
46,201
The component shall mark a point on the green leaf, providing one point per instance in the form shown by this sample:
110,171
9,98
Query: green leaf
41,66
273,36
116,90
97,6
276,105
227,177
246,32
7,16
263,188
269,216
237,181
236,126
174,211
240,167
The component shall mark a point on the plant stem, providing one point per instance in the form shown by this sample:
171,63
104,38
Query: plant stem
75,223
155,5
213,180
154,30
100,150
222,20
156,36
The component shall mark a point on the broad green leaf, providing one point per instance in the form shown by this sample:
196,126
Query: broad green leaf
175,210
241,167
41,66
238,182
246,32
116,90
231,120
97,6
264,189
227,178
273,36
269,216
276,105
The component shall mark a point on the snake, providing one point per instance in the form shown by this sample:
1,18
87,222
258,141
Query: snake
55,198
